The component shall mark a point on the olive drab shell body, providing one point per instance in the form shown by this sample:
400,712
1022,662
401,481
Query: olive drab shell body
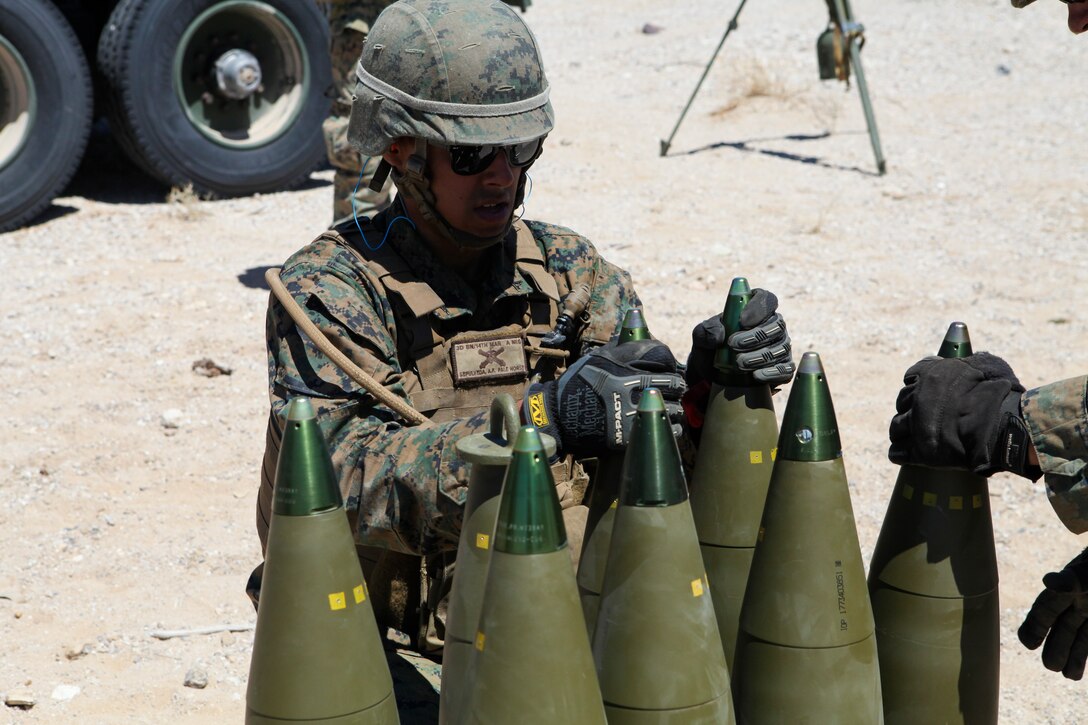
655,643
658,653
592,563
530,661
450,72
934,585
530,647
728,491
806,647
317,656
473,556
733,469
489,455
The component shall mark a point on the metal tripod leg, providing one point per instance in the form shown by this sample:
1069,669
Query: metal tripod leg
844,17
730,28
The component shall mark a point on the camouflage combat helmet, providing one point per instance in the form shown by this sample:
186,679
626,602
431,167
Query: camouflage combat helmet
449,72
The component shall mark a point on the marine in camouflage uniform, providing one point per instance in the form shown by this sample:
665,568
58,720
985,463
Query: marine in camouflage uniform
452,95
386,299
984,420
349,22
404,485
1056,416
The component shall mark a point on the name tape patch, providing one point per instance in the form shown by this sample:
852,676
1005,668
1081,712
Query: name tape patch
478,361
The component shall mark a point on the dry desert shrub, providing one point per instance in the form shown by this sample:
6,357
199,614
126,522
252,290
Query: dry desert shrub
185,201
752,79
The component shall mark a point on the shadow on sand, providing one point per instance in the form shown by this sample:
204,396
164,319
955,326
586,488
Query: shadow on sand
748,146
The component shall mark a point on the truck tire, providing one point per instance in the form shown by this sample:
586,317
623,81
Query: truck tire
226,95
45,108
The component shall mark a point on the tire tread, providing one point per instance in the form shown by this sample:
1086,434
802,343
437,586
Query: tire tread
79,94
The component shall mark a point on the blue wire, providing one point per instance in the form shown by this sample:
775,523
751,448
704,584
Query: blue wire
528,193
355,215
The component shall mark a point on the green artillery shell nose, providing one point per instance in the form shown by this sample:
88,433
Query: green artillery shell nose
739,288
530,520
652,474
957,341
810,431
725,361
305,480
634,326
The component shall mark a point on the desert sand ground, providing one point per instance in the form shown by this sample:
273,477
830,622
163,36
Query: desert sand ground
127,481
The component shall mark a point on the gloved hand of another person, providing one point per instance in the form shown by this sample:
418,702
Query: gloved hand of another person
961,413
592,406
762,345
1058,617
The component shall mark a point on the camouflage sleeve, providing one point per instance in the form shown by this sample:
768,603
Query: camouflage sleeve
1057,417
572,260
406,483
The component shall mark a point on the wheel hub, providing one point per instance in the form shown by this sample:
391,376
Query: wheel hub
18,102
238,74
241,73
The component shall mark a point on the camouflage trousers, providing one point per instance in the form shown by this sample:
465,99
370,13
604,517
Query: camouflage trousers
349,22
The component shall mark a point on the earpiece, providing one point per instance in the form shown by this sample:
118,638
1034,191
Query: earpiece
355,213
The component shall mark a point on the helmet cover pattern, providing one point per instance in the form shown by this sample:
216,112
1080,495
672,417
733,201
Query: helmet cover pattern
451,72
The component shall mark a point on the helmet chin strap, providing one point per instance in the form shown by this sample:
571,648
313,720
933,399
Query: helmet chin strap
414,183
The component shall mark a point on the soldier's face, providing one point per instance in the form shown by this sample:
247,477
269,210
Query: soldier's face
1078,16
480,204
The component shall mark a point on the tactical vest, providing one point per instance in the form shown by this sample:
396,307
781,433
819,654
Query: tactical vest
451,376
442,377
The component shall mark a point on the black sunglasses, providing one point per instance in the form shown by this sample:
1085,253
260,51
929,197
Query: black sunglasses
471,160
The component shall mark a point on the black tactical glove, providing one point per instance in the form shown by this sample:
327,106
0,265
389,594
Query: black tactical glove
592,406
961,413
1059,616
762,345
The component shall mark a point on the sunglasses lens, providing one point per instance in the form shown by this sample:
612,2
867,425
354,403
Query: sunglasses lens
470,160
523,154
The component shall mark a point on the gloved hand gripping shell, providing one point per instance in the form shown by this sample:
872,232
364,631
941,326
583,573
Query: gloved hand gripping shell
962,413
591,408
